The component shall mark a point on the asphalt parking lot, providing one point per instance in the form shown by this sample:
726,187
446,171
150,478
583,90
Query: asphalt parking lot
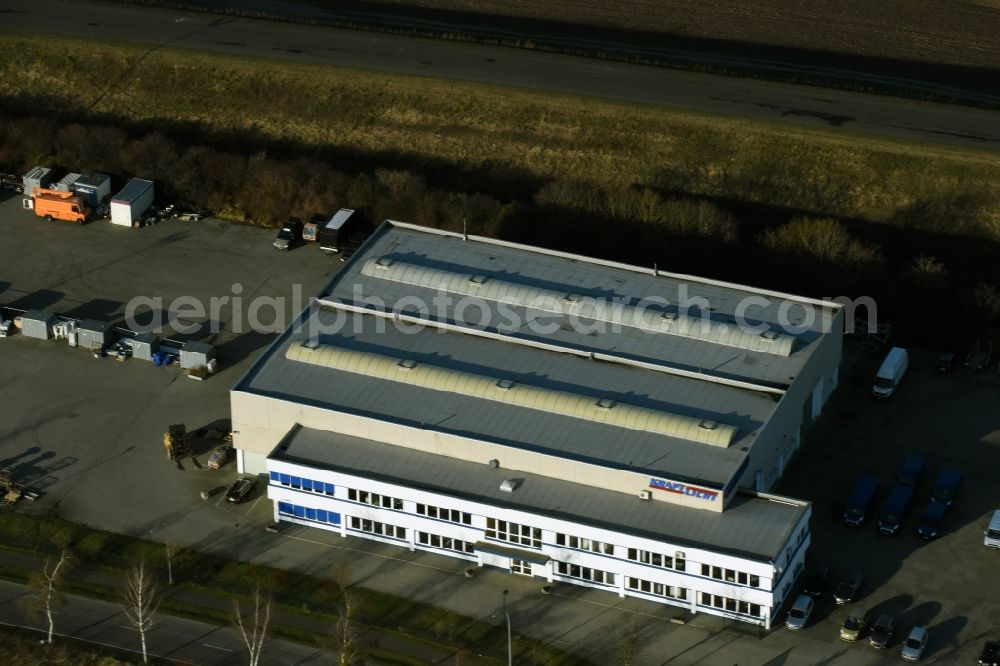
88,434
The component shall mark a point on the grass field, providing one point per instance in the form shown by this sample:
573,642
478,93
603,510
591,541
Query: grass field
507,143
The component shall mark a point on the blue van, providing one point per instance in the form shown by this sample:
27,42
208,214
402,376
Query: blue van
910,472
931,520
893,512
946,486
861,501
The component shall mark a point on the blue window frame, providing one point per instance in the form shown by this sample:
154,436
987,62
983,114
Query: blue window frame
329,488
285,508
275,476
300,511
311,514
321,515
296,482
333,518
285,479
307,484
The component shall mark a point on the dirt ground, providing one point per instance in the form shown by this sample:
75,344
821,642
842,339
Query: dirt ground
950,32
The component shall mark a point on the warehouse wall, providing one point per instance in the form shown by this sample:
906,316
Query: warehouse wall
259,424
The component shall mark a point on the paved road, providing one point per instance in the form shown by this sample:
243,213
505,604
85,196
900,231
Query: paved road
173,638
527,69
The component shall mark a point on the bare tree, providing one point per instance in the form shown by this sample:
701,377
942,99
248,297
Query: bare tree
140,601
45,596
627,639
348,634
170,549
252,624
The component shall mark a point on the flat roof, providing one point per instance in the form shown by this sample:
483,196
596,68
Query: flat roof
133,190
627,368
755,527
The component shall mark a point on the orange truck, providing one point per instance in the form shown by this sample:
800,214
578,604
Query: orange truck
56,205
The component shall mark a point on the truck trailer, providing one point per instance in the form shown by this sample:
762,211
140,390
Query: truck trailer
54,205
135,199
334,233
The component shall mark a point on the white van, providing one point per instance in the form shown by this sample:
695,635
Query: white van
991,537
892,371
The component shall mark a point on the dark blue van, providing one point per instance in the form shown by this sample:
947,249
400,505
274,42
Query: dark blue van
910,472
932,520
946,486
893,512
861,501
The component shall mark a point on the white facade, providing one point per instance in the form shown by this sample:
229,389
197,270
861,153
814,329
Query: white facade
697,580
605,419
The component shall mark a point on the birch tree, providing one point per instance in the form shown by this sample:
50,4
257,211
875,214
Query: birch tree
252,624
46,585
170,550
348,634
140,602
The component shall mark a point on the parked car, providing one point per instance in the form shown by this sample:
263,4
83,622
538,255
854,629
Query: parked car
854,624
798,614
290,232
946,486
991,537
911,470
991,654
913,646
848,588
241,489
931,520
882,631
817,581
894,511
861,500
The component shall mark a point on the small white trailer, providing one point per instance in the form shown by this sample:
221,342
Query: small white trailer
128,206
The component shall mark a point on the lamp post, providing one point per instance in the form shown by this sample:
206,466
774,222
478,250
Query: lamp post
510,652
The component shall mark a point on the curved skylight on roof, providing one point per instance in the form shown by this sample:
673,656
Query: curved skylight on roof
651,319
508,391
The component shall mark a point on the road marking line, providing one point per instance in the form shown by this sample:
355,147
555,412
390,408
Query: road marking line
217,647
254,505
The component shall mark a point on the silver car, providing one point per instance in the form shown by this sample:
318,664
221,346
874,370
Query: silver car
913,646
798,615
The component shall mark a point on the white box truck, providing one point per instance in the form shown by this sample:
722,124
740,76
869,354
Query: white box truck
890,373
135,199
991,537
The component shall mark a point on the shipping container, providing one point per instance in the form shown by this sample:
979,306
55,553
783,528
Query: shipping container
38,324
93,187
91,334
40,177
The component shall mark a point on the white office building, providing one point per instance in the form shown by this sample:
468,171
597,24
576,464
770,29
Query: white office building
553,415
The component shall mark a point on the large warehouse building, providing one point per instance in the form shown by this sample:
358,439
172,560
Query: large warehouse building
553,415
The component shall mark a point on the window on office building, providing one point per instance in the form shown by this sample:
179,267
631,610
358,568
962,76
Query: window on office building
580,543
301,483
657,559
375,527
447,543
522,535
659,589
305,513
731,605
585,573
730,575
451,515
375,499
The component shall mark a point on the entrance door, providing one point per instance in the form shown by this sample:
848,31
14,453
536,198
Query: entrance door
522,567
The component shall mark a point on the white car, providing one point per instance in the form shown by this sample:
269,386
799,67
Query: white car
913,646
798,614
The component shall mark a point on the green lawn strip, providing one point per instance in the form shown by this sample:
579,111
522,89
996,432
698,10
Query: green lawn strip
208,575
